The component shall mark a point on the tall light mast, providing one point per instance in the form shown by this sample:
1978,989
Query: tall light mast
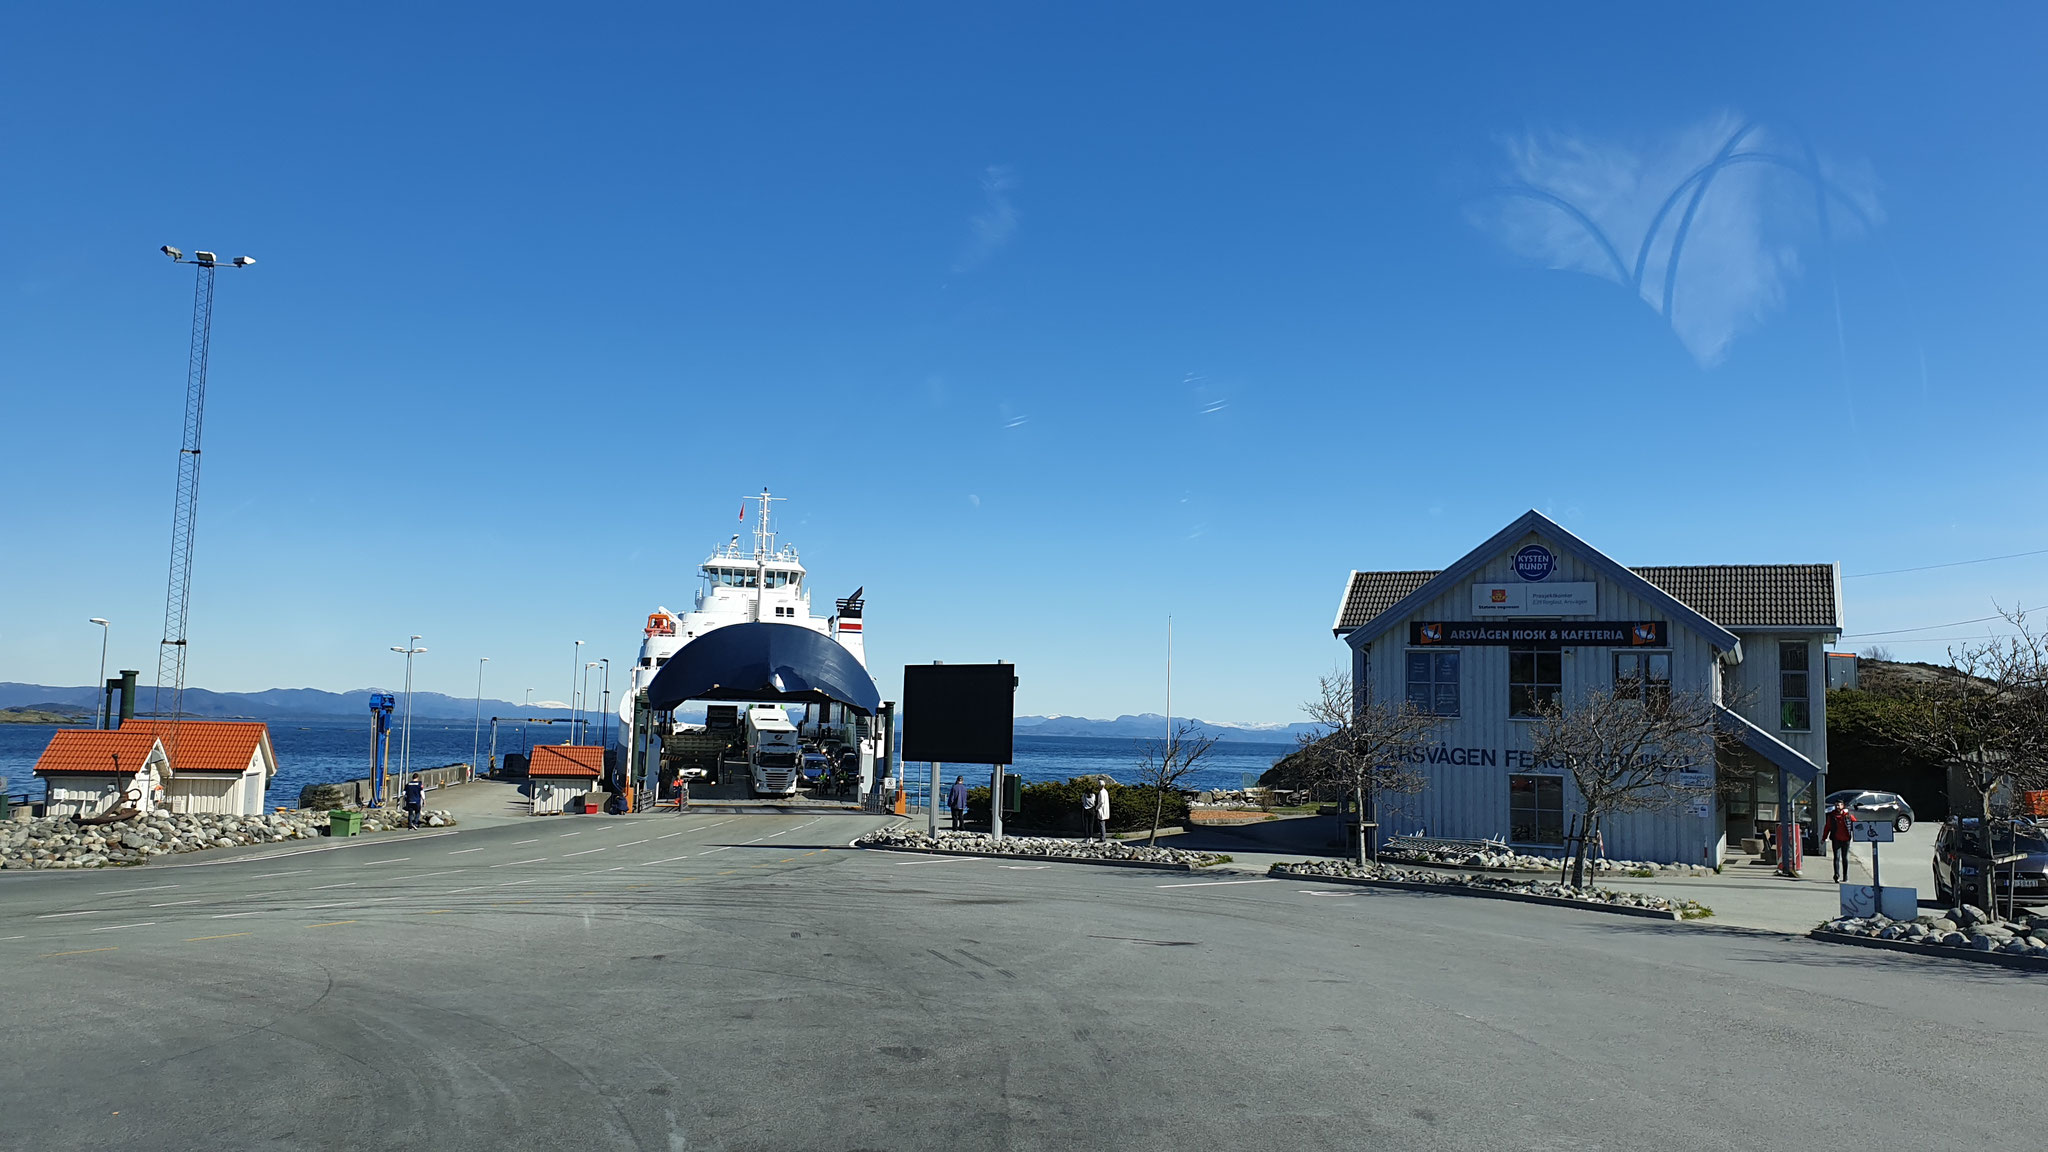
170,660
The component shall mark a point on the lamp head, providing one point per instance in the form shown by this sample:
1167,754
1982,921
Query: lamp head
97,620
244,261
173,253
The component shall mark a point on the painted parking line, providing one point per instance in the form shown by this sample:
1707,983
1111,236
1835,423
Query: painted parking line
602,871
460,851
727,848
175,903
226,936
325,887
272,875
963,860
331,924
585,852
1025,867
114,927
457,891
353,903
568,834
517,843
133,891
667,835
512,883
670,860
424,875
394,860
1220,883
81,952
512,863
232,915
60,915
629,843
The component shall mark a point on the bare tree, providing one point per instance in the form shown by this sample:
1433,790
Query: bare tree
1876,652
1629,752
1166,764
1365,748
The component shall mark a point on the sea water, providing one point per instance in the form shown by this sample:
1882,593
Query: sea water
320,751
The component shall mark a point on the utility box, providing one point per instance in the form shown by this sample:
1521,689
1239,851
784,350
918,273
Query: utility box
343,823
1013,793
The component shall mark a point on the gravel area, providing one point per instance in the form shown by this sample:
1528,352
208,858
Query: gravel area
1687,909
1050,847
1965,928
1508,861
61,842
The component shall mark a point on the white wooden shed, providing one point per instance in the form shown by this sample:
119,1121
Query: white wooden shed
558,773
217,766
87,771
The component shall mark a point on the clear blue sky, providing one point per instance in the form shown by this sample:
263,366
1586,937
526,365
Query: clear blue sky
1049,322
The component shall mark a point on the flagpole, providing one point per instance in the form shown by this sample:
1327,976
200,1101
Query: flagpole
1169,691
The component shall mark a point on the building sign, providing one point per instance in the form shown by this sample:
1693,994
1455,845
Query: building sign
1561,599
1601,634
1535,563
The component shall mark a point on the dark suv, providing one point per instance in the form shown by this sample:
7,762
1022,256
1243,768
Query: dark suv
1867,805
1964,853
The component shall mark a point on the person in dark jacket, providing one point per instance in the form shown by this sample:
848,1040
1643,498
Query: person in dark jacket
956,799
415,799
1838,830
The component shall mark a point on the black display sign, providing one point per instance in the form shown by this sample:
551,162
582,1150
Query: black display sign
959,713
1598,634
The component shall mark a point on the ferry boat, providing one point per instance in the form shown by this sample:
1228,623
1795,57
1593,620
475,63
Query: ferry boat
766,582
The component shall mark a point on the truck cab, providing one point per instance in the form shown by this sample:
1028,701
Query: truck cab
774,755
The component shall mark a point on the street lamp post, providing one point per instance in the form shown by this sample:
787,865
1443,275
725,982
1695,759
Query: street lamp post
586,698
604,723
405,739
576,659
476,733
100,711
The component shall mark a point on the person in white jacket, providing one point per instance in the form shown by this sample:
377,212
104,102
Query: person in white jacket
1099,804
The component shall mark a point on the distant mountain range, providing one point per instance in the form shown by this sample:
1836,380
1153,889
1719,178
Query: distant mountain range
312,703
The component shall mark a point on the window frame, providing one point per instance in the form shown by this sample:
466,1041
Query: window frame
1537,811
1805,675
1537,685
1435,681
1646,688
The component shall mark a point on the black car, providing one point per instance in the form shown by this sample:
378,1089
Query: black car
1867,805
1964,852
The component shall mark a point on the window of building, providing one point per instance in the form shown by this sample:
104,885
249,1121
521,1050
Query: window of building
1794,699
1433,682
1536,809
1534,677
1643,676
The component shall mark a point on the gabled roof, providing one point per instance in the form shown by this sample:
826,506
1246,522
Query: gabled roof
579,760
92,751
1368,594
1757,596
212,745
1531,521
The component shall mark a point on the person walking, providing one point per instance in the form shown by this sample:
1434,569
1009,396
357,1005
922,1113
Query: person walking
1838,830
956,799
415,799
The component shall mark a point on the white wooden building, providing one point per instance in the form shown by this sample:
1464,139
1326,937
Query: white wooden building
1534,613
88,771
217,766
559,774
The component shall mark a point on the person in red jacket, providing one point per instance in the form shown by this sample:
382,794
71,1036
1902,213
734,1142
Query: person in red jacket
1837,831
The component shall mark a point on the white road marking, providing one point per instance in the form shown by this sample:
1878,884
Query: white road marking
460,851
151,888
293,872
516,883
727,848
354,903
295,852
58,915
666,835
394,860
325,887
963,860
478,888
510,863
175,903
670,860
629,843
517,843
1220,883
112,927
602,871
424,875
3,938
585,852
1024,867
232,915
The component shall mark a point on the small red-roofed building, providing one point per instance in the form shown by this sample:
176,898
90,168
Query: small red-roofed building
89,771
560,773
217,766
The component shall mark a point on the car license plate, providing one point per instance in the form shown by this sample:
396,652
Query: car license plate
2026,883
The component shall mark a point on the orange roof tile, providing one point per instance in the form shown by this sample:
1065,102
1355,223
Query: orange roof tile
92,750
585,760
210,745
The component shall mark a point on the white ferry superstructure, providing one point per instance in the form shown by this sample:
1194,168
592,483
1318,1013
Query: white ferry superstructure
766,583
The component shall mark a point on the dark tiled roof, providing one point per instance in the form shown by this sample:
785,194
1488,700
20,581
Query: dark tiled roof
1731,595
1754,595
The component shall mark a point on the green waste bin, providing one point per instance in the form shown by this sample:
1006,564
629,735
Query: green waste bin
341,823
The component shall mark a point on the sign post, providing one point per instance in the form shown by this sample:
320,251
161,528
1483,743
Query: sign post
1877,900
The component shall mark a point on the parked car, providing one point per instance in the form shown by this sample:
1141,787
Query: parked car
1867,805
1963,853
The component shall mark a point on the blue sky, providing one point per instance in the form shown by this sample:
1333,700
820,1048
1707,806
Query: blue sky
1049,321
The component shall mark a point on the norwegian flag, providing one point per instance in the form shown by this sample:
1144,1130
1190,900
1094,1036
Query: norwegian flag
743,511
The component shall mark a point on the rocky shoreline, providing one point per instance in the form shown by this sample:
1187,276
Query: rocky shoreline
1966,928
1049,847
61,842
1549,890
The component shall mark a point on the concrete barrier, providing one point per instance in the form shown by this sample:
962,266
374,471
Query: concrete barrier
357,794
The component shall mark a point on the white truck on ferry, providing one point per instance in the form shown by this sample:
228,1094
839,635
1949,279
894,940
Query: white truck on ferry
775,755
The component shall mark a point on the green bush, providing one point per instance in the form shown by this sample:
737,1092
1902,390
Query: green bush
1055,806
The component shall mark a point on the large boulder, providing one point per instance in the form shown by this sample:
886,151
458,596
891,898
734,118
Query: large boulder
325,796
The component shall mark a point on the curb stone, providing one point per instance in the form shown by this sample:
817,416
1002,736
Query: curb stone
1156,867
1933,951
1485,893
